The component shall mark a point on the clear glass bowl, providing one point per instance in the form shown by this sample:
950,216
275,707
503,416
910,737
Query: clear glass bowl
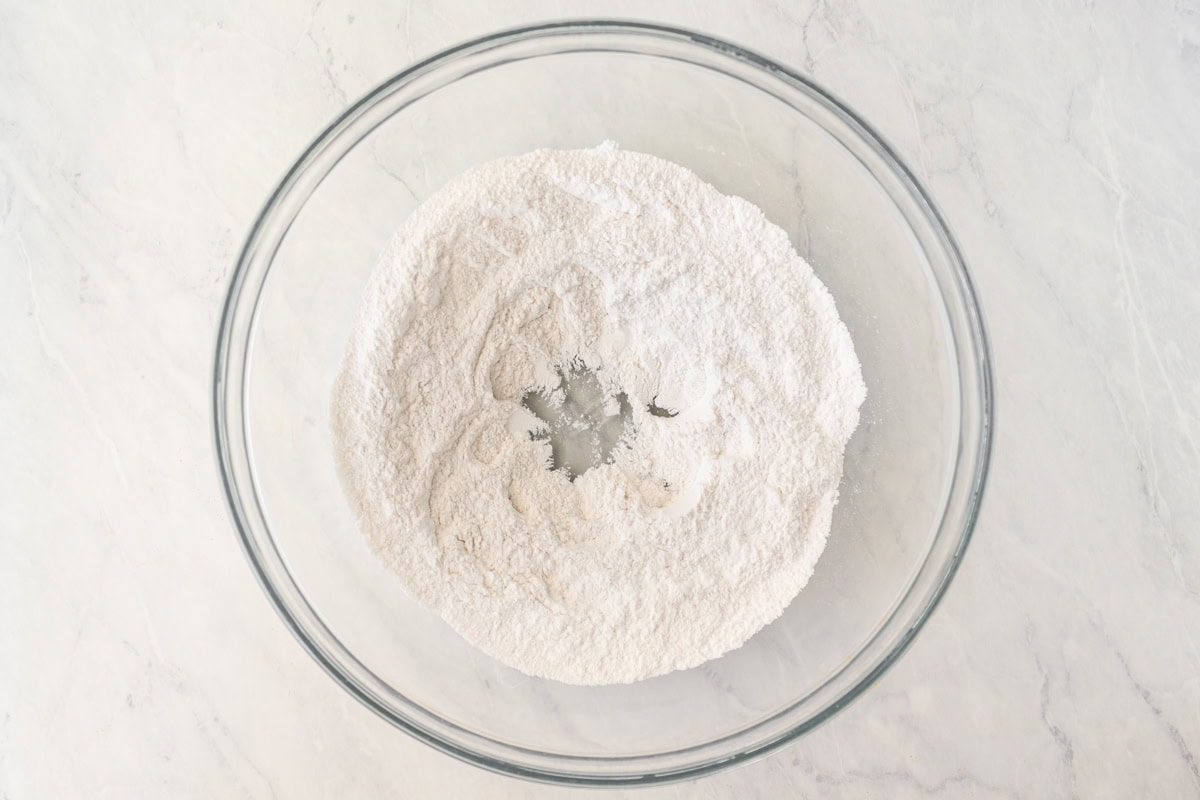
914,471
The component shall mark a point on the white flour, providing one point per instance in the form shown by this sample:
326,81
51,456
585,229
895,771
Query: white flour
596,308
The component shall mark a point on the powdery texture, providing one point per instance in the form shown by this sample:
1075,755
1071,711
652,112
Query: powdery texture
706,524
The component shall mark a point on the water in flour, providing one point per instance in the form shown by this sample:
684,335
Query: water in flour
593,412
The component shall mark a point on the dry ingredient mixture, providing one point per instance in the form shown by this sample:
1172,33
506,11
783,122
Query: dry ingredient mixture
593,412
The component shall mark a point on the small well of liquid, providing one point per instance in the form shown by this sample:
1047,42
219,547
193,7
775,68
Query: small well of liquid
585,421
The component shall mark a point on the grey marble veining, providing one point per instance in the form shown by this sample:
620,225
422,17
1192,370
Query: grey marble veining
139,658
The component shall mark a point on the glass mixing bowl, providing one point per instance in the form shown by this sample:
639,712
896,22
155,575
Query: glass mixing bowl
914,470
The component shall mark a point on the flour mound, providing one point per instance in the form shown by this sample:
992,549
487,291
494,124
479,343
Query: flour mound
593,412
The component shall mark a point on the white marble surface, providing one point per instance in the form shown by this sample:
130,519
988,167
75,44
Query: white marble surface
139,658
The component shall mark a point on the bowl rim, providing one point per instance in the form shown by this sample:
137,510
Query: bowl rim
232,453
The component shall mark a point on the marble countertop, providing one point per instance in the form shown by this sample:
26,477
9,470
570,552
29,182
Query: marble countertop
139,658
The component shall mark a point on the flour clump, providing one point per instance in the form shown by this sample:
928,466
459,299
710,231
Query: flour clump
593,412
